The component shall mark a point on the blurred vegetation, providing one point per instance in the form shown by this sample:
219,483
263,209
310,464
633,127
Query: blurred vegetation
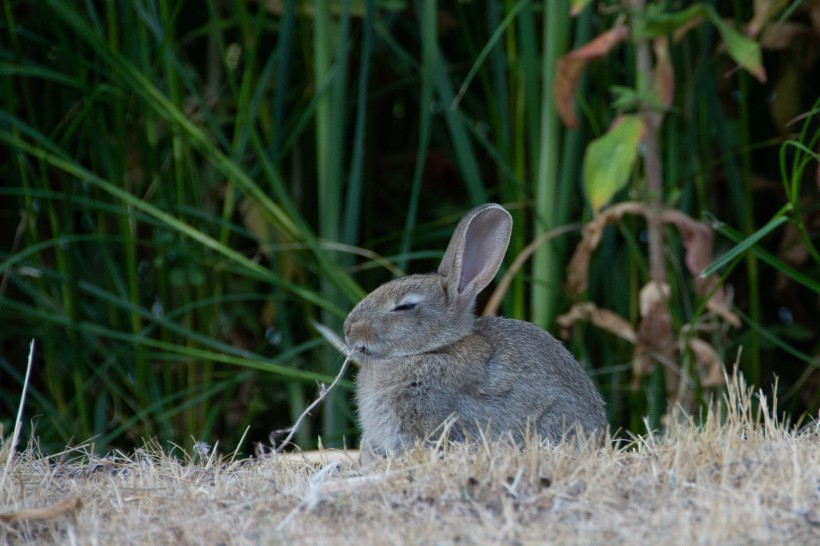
185,186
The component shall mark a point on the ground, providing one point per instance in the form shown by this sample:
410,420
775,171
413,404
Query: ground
737,477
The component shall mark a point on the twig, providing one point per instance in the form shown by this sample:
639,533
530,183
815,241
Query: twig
324,390
332,338
17,423
312,497
498,294
319,489
68,506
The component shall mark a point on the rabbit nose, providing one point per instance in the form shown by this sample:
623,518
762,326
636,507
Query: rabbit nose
356,330
348,326
351,327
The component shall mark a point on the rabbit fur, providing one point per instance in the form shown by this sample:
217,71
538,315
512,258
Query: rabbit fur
426,357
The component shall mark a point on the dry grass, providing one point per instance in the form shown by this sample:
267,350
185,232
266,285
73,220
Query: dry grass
740,477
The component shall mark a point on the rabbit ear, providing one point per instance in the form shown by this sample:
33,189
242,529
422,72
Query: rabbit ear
475,252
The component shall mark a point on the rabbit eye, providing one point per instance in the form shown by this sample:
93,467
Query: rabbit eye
404,306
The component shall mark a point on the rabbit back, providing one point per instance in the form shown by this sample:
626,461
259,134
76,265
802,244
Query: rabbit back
530,378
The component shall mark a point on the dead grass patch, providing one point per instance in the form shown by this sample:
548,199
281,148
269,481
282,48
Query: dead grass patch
739,477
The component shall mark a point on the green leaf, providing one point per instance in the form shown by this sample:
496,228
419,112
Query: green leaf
745,51
626,99
655,22
609,160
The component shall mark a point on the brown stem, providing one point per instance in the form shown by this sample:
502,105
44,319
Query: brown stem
498,294
652,164
652,161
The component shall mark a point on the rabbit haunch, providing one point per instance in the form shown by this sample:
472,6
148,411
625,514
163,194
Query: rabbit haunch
426,357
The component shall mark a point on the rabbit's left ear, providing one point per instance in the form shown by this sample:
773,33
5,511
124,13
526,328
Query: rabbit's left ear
476,251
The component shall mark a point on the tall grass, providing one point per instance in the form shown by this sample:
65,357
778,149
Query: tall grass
185,186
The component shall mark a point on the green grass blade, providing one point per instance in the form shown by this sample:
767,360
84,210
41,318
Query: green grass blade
544,261
744,246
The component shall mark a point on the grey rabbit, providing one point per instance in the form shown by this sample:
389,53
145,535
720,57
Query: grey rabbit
425,356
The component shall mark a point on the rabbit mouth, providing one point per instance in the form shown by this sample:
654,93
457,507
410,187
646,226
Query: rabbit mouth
369,352
361,350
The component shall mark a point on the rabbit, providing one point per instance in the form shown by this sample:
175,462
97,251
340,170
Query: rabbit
426,357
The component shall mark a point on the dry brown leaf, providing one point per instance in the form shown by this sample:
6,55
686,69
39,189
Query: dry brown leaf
578,267
617,211
652,295
717,305
654,336
613,323
69,506
571,65
814,15
602,318
792,249
568,72
697,236
642,364
779,36
710,366
697,239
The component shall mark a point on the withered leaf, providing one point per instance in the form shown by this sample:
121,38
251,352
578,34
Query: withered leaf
655,338
764,11
604,319
571,65
710,367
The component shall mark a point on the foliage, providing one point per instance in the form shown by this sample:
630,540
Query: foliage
187,185
607,165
